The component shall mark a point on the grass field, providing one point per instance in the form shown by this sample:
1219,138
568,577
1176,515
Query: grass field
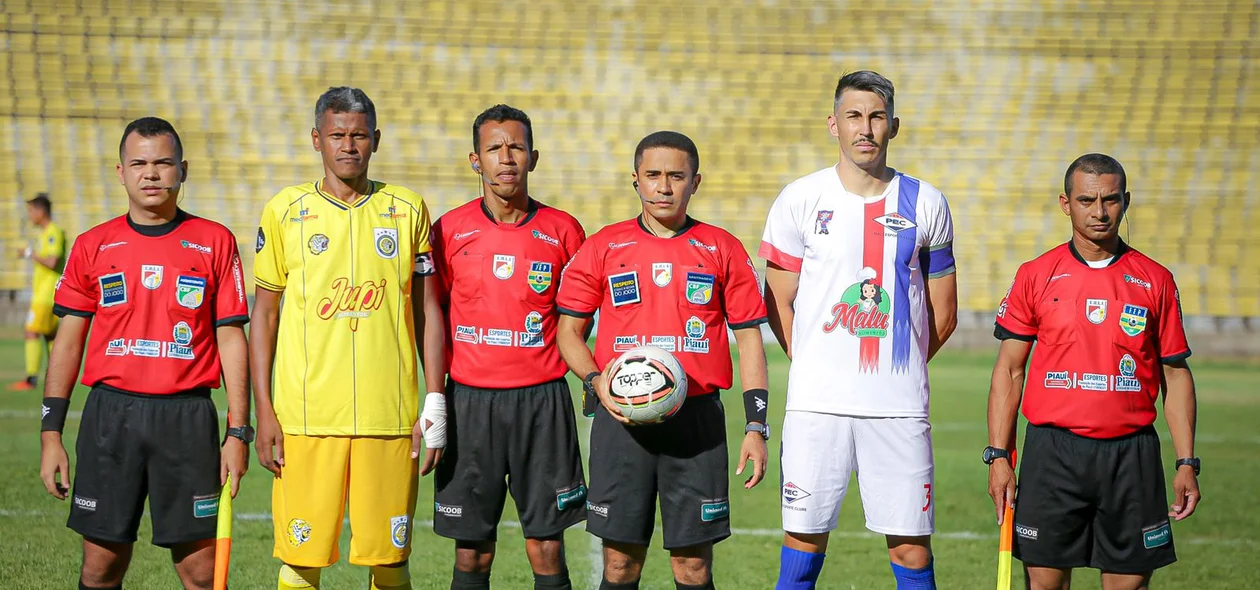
1219,547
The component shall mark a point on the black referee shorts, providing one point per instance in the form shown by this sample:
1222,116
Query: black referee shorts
134,446
522,441
1099,503
682,460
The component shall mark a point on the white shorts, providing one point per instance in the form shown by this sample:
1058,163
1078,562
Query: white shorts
893,461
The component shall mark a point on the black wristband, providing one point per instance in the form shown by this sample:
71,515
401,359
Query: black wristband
756,402
54,414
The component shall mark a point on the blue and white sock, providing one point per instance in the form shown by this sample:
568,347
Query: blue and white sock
799,570
920,579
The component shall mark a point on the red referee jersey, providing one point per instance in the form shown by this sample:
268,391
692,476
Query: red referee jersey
499,283
1101,333
676,293
155,295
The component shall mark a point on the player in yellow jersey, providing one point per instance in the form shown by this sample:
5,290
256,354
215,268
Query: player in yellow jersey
335,374
49,255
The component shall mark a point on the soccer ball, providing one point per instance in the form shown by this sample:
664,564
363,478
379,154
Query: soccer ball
648,384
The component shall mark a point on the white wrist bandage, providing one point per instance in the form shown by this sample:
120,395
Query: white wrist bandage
435,412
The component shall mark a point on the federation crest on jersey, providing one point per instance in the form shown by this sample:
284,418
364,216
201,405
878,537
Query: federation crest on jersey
820,224
318,244
533,322
1133,319
1096,310
662,273
695,327
504,266
182,334
151,276
539,277
190,291
1128,366
700,287
862,311
386,242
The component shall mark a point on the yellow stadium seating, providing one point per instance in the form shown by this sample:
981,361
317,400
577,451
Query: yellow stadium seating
996,97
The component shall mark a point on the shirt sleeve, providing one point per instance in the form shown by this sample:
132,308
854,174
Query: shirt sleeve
741,291
1015,316
573,240
230,305
938,252
441,266
783,241
582,282
77,290
424,265
1172,342
270,269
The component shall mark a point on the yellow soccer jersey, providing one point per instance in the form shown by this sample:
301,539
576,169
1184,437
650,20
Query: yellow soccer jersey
346,350
51,242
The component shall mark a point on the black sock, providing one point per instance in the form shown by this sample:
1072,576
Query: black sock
33,380
82,586
470,581
606,585
558,581
705,586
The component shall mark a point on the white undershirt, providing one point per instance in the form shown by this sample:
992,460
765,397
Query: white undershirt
1100,263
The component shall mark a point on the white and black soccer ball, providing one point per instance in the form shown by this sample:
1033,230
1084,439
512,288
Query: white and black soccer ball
648,385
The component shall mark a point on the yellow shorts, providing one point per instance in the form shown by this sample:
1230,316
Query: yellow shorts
308,500
40,320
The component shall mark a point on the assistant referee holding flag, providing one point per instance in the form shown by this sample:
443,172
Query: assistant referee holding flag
1107,323
162,293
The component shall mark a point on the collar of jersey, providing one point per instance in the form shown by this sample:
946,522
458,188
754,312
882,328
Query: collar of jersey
530,212
1114,259
157,231
687,225
341,204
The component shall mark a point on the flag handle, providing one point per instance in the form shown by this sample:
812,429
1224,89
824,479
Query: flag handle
1006,537
223,537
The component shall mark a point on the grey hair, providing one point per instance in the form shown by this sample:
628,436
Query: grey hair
870,82
344,99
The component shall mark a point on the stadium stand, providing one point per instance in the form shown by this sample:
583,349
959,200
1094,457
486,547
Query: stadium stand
995,99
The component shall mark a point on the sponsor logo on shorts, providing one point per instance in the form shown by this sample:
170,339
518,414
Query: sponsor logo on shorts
113,289
696,345
1058,380
624,288
625,343
147,348
1128,384
497,337
441,509
793,493
205,506
466,334
88,504
298,532
1156,536
667,343
399,532
716,510
1026,532
1093,382
597,509
571,496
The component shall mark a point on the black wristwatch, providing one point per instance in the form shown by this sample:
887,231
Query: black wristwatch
992,454
589,398
759,428
245,433
1192,461
588,382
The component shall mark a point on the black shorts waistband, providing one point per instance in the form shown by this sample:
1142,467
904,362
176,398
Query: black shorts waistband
1148,430
705,397
186,394
559,381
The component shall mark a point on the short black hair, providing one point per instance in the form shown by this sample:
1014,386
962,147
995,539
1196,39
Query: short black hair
151,127
870,82
41,200
344,99
1098,164
500,113
668,139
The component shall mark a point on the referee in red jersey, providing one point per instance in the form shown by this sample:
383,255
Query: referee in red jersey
1109,334
665,279
163,295
510,411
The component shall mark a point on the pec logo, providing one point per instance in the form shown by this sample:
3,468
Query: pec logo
793,493
354,302
821,223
